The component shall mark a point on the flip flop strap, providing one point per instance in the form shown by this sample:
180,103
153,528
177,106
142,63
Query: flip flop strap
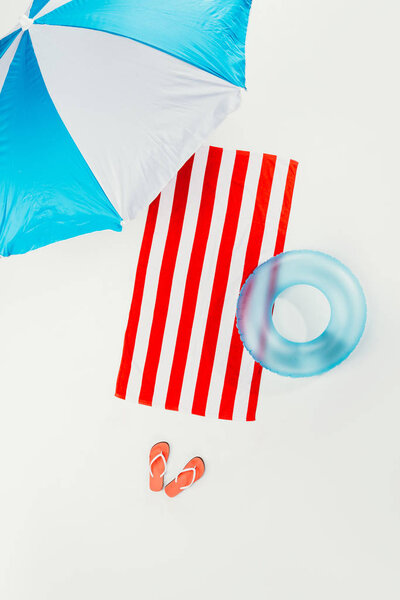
185,487
161,455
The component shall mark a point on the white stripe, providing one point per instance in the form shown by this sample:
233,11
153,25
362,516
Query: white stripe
267,251
135,231
243,390
233,285
274,209
207,280
150,290
180,275
7,59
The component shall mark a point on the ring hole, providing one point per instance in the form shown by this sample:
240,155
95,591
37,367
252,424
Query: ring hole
301,313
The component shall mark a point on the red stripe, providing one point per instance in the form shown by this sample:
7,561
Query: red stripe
251,261
279,247
220,283
165,283
254,392
138,289
193,278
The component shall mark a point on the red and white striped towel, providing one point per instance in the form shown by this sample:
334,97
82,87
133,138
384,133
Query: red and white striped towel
223,214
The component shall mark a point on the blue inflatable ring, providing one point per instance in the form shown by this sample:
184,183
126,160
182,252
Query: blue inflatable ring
268,281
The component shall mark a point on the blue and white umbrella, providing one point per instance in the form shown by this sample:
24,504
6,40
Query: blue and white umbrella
102,101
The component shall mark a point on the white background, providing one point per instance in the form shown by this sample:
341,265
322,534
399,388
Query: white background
306,502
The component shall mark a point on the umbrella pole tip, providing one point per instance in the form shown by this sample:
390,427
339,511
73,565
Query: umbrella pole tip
25,22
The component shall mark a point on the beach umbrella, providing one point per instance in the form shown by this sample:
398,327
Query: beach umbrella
102,102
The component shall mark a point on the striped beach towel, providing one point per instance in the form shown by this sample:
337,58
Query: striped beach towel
224,213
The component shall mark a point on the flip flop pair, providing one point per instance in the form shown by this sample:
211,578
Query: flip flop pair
191,473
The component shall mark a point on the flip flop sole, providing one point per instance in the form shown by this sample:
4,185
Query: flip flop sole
192,472
157,466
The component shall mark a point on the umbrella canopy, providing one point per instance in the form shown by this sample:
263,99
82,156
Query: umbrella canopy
101,103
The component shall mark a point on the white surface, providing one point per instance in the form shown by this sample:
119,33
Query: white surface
135,113
306,502
301,313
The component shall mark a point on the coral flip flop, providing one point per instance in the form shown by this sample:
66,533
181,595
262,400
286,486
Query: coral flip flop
158,465
187,477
